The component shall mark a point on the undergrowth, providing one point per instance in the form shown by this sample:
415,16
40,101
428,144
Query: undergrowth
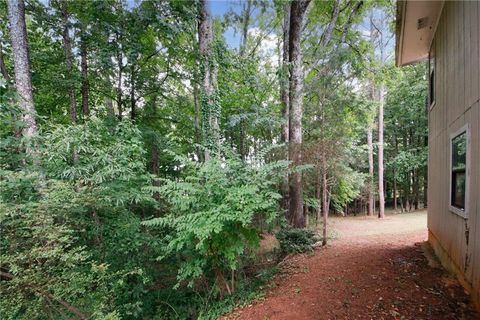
251,291
188,304
296,240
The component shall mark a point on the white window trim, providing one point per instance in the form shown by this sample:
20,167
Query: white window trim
453,209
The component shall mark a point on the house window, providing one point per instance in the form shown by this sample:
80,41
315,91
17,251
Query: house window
459,144
431,75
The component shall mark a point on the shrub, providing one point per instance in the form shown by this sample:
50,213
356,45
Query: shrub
296,240
213,210
66,226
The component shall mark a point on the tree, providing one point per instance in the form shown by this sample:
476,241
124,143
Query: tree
67,48
84,70
285,101
23,78
124,230
209,106
381,193
405,130
246,16
371,199
377,33
297,15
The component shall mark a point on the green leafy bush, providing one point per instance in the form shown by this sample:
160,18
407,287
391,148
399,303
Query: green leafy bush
296,240
212,213
67,225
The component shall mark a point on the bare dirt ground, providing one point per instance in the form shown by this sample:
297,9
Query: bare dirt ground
372,269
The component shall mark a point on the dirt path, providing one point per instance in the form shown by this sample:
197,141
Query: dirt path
372,270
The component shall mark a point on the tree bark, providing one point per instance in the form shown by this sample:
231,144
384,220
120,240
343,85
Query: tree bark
318,196
325,201
370,170
395,191
109,106
285,99
408,205
84,70
196,121
381,194
402,196
416,188
119,83
155,169
208,74
23,78
67,48
133,111
297,14
247,7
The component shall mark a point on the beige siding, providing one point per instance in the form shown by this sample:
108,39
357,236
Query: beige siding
457,42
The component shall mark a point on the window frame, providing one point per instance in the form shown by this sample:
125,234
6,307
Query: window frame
462,213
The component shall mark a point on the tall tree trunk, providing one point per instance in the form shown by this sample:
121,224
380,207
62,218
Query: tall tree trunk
109,106
23,77
297,14
3,67
196,121
155,168
394,190
416,188
381,194
213,104
371,198
84,70
243,47
67,48
133,111
325,201
402,196
408,205
247,7
119,82
285,99
395,177
374,33
318,196
208,74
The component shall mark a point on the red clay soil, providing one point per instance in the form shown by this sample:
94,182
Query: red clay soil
373,270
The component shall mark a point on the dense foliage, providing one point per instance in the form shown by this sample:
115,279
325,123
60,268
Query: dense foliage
212,214
157,166
296,240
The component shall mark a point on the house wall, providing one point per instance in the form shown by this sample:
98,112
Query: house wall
456,240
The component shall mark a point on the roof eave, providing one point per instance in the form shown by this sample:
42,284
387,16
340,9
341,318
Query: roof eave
413,41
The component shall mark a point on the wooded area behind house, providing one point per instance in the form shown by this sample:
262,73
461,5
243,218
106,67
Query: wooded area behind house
147,147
